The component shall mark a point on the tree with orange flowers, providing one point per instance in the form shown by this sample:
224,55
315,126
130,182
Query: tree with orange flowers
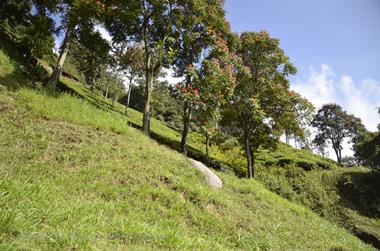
193,42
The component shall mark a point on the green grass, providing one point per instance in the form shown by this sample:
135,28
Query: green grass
74,175
71,183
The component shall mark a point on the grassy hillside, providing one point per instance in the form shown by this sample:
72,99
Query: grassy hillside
78,177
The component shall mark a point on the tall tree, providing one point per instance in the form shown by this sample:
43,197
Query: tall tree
261,94
192,39
76,15
150,22
334,125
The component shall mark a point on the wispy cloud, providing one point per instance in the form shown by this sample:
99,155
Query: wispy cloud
359,98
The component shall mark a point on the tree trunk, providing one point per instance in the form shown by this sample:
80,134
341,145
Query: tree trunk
113,98
253,164
107,89
61,60
207,146
249,155
186,122
148,91
338,155
128,97
186,127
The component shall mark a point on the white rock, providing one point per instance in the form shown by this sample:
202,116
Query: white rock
211,178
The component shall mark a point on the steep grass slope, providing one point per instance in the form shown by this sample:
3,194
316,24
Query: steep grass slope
69,183
74,177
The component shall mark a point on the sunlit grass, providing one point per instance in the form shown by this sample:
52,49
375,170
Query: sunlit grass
72,183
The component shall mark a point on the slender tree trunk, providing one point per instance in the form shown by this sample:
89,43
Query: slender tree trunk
186,127
249,155
128,96
186,122
253,163
207,146
107,89
148,79
148,91
61,60
338,155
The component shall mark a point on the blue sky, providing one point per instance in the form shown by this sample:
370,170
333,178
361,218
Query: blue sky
334,44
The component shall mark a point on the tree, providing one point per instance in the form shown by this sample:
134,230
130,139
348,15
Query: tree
150,22
76,15
130,60
261,94
192,39
334,125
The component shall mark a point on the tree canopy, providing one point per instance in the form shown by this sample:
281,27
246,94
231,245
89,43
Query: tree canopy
261,94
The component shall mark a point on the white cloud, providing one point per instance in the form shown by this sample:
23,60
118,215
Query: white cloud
358,98
319,88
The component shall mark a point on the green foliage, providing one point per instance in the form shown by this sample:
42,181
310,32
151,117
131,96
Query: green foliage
260,97
367,148
10,70
367,151
31,33
90,52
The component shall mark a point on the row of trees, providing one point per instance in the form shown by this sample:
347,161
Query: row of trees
239,82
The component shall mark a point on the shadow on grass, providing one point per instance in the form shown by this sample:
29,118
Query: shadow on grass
360,191
13,81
